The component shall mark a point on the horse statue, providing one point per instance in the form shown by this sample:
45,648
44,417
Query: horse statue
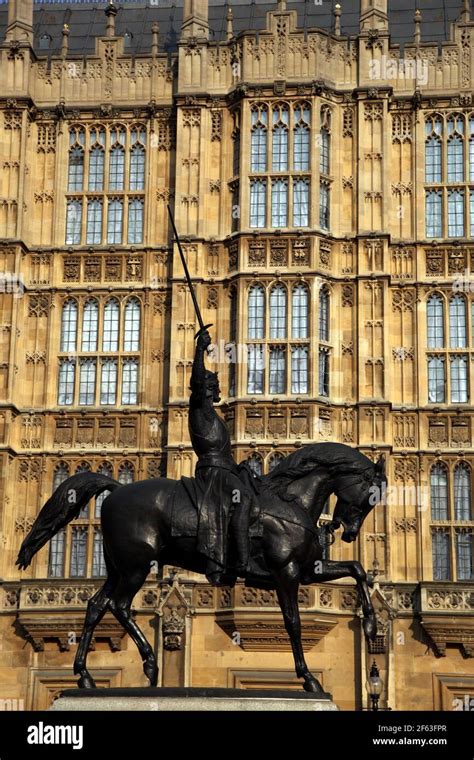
155,521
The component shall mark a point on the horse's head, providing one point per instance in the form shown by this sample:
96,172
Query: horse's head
357,495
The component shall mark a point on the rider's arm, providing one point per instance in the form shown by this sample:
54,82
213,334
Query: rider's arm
198,374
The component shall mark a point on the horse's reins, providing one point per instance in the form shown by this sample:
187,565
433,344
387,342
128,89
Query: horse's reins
333,525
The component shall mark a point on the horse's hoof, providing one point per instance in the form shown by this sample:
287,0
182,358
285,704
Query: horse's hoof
313,685
86,682
370,627
150,669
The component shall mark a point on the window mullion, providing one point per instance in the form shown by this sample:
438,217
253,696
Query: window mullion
453,552
67,551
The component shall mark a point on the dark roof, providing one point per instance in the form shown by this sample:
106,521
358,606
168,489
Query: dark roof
87,20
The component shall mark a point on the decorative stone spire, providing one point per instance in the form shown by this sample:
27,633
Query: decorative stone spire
417,20
466,11
111,11
65,41
337,20
282,5
373,15
155,30
20,20
230,23
195,19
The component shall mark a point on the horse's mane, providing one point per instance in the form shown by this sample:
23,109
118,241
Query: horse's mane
336,457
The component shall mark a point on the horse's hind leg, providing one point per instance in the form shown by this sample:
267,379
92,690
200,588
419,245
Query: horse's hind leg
96,608
120,605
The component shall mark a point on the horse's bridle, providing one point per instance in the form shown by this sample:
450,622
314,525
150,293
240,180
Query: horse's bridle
330,527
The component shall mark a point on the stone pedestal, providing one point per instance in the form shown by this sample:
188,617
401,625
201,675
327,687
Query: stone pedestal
190,699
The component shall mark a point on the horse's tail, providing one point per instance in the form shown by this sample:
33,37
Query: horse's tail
62,507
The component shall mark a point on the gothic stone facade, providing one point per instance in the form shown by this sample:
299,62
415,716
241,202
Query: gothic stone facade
291,167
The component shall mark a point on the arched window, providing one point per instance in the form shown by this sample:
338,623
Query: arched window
301,138
299,369
256,312
87,377
259,138
61,473
433,213
255,369
457,322
435,321
452,542
57,545
456,149
441,549
255,463
439,492
130,381
66,381
96,159
115,221
73,222
258,200
90,325
433,150
464,554
278,312
274,460
127,39
323,372
69,326
131,337
462,492
279,202
324,314
117,159
324,205
126,473
76,159
301,202
111,325
94,221
455,213
436,379
135,221
99,568
325,141
458,376
137,159
277,381
300,311
280,138
108,381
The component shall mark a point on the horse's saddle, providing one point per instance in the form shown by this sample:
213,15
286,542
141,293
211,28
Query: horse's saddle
184,522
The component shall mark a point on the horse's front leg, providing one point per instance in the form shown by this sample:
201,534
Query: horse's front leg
329,570
287,584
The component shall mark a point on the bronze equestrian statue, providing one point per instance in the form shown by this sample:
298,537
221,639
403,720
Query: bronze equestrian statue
224,523
156,521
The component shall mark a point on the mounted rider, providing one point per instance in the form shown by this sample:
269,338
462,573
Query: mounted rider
224,497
